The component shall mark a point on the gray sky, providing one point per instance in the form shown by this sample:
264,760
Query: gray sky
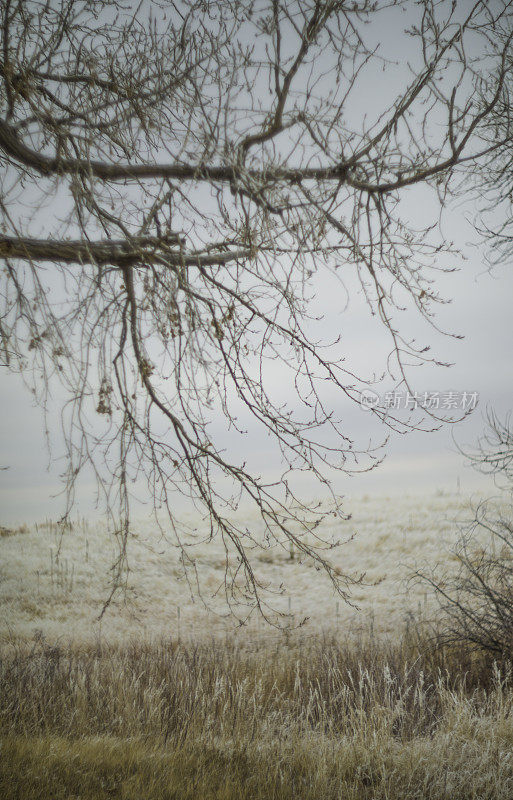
480,311
425,462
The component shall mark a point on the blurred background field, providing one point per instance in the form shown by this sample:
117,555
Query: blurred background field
54,582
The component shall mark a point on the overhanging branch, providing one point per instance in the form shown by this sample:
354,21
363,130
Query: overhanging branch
118,253
46,165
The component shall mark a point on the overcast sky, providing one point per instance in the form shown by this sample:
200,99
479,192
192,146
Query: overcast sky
480,311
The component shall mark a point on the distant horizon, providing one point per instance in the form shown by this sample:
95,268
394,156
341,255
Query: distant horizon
399,476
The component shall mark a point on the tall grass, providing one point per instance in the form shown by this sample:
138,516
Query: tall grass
307,717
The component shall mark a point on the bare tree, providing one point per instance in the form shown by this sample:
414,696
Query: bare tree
176,179
494,452
476,598
493,175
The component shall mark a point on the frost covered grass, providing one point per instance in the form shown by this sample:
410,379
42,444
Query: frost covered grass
54,582
307,717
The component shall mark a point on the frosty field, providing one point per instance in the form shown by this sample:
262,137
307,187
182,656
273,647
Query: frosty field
55,583
173,701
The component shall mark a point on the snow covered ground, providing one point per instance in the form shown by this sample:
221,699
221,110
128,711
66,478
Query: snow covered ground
55,583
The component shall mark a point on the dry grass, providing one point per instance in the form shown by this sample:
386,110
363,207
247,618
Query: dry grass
336,709
301,717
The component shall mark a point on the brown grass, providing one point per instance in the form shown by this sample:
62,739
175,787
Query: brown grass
302,717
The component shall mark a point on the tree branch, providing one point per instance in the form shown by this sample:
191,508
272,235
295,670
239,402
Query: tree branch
119,253
46,165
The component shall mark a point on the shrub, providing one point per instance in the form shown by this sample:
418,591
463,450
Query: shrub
476,600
